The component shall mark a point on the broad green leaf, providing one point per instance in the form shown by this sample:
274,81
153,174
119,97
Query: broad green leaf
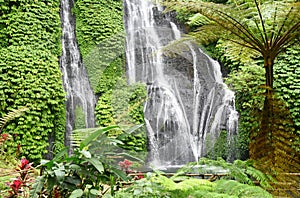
37,187
134,128
61,154
95,134
120,173
76,193
60,175
95,192
96,163
86,154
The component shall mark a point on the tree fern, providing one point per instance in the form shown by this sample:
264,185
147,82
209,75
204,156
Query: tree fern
268,28
265,27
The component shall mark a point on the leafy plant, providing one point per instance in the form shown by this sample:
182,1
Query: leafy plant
286,73
87,172
5,156
123,105
241,171
21,185
11,116
264,28
133,138
157,185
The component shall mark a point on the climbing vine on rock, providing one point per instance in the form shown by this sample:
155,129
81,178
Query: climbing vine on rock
246,85
30,76
97,21
287,84
101,37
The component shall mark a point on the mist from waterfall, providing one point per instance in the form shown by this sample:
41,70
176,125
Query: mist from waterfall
188,104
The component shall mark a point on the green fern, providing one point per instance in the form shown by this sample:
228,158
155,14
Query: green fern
241,171
235,188
204,194
159,186
11,115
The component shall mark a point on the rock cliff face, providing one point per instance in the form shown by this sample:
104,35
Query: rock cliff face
188,104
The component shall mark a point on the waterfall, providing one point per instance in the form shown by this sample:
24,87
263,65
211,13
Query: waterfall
79,94
188,104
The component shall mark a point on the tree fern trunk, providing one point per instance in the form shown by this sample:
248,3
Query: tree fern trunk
268,64
272,146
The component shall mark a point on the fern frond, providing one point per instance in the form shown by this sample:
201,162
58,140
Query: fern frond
204,194
263,179
12,115
235,188
267,27
198,184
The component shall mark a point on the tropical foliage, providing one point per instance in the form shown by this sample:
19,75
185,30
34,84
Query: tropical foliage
29,75
286,73
88,172
248,33
158,185
102,44
264,29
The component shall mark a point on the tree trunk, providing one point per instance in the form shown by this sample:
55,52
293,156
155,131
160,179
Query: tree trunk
268,64
272,144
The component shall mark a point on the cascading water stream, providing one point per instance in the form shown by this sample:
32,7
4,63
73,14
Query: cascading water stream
75,79
188,104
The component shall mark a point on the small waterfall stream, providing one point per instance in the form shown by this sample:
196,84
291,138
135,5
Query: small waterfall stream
188,104
79,94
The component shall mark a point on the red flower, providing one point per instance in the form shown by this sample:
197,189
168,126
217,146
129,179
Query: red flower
141,176
24,164
4,136
16,185
125,165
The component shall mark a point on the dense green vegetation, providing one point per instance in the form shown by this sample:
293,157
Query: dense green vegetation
286,73
236,182
30,76
102,45
97,21
256,33
247,81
